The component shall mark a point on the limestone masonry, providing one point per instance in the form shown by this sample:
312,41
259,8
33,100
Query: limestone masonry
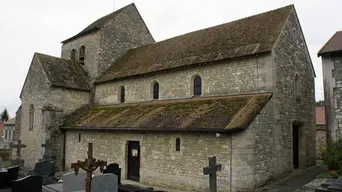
242,91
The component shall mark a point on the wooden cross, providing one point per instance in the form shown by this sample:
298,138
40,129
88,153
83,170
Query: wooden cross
211,170
18,146
89,165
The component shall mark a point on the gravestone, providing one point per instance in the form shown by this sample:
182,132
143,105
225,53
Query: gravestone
89,165
114,168
211,171
11,175
45,169
73,182
107,182
332,185
28,184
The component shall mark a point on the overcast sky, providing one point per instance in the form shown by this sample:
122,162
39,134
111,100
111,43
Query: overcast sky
40,25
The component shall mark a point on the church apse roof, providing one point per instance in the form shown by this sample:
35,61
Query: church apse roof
63,72
248,36
218,114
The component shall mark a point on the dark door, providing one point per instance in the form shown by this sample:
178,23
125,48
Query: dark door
133,167
295,146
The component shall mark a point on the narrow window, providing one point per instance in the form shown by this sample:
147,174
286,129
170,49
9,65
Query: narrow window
156,90
9,135
6,133
197,86
73,55
297,88
31,117
79,137
122,94
82,55
177,144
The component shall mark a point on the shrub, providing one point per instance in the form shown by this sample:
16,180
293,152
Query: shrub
332,156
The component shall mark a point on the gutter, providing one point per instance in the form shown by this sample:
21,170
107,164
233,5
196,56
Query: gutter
137,129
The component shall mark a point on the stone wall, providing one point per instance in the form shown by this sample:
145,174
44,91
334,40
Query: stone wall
321,139
103,47
222,78
37,92
291,57
92,47
161,165
337,94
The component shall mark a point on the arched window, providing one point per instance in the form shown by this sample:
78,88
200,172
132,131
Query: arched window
156,90
82,55
31,117
122,94
178,144
297,88
73,55
197,86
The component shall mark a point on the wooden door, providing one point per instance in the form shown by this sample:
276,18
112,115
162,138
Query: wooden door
133,167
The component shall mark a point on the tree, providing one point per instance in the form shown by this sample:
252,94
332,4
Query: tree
4,115
320,103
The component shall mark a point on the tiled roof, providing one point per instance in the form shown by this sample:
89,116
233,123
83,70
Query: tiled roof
334,44
320,116
248,36
216,114
96,25
10,122
63,72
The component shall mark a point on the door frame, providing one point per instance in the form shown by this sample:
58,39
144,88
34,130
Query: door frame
127,159
301,144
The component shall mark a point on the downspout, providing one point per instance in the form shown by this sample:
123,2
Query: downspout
64,146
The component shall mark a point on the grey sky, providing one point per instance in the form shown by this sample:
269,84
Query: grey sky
40,26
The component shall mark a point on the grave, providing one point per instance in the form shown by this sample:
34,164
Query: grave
114,168
26,184
211,171
89,165
332,185
107,182
45,169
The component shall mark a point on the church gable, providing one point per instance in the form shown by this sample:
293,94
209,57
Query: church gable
248,36
219,114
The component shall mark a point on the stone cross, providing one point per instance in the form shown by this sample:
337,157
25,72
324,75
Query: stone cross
211,170
47,146
18,147
89,165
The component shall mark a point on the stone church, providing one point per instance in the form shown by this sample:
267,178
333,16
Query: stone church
242,91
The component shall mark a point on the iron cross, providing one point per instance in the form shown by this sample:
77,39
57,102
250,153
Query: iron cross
211,170
18,146
89,165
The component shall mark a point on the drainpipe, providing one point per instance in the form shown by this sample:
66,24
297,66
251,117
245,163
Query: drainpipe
231,163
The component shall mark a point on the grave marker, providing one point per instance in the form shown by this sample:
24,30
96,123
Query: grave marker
107,182
89,165
211,170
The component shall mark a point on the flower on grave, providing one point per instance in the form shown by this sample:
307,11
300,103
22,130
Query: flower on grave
60,181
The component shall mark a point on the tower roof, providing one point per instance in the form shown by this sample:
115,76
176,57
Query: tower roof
333,45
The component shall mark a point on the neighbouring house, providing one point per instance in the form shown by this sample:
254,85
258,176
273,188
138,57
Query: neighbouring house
9,130
331,54
321,130
242,91
1,128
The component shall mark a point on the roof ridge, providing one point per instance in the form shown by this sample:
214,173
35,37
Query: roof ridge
226,23
318,54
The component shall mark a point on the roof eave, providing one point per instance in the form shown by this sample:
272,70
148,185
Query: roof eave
136,129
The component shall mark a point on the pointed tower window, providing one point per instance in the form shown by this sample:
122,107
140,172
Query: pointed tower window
297,88
82,55
73,55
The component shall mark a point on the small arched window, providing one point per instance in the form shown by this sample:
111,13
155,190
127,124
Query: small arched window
122,94
197,86
73,55
156,90
82,55
178,144
31,117
297,88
